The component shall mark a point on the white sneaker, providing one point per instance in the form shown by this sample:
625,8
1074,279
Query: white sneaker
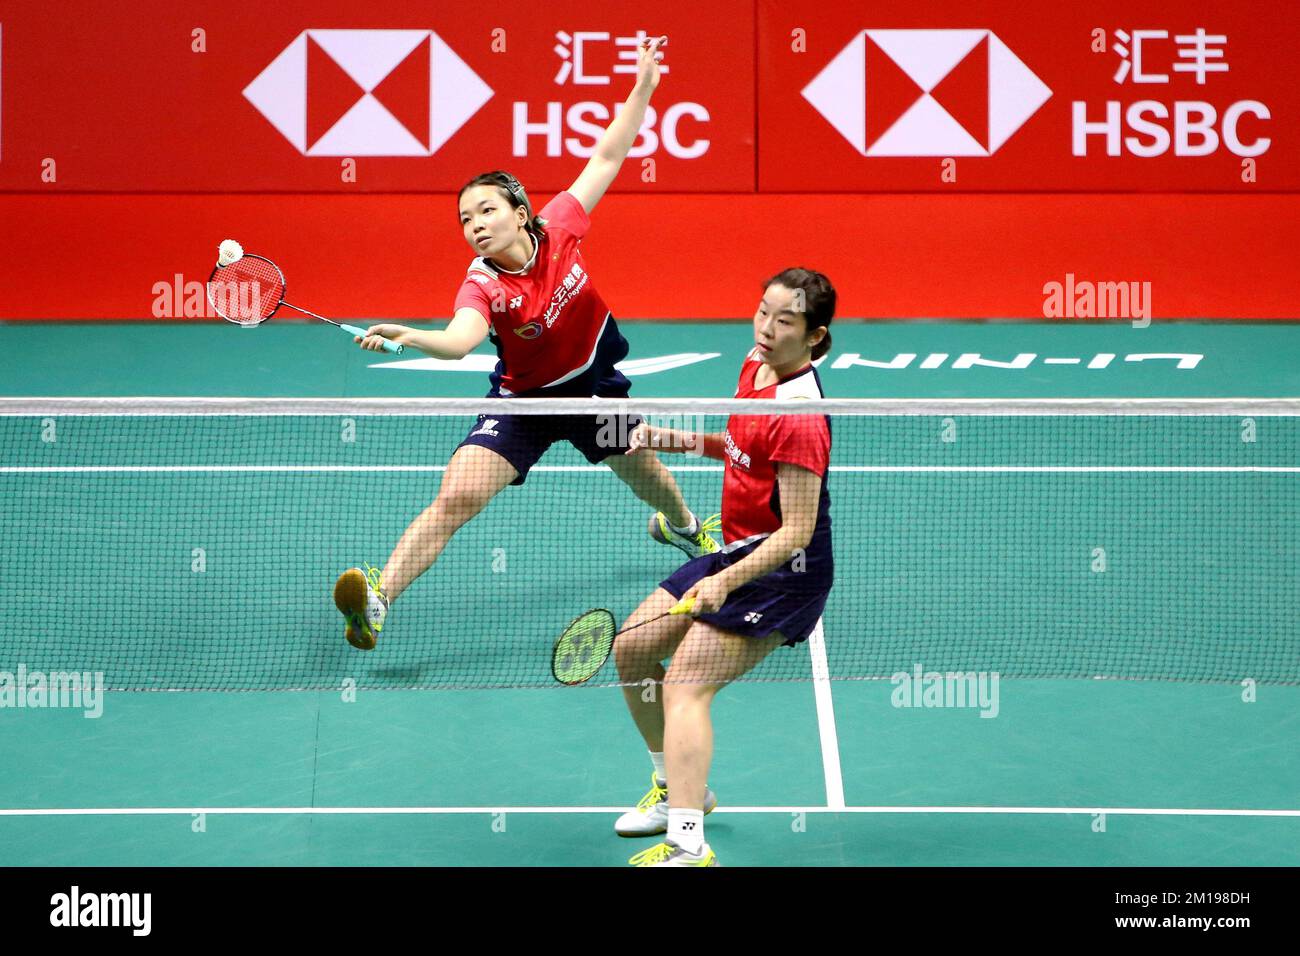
670,854
650,817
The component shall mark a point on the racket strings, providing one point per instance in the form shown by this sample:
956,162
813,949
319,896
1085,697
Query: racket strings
584,646
247,291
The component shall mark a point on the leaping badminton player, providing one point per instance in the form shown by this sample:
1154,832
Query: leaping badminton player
530,291
766,587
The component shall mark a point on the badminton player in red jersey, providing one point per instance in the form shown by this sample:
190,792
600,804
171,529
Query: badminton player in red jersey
766,587
529,290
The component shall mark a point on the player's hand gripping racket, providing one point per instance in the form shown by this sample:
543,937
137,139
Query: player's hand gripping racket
581,651
248,290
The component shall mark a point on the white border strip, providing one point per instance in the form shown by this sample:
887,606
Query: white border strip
821,681
362,811
163,406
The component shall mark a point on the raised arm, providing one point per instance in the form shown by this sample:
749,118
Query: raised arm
621,133
467,328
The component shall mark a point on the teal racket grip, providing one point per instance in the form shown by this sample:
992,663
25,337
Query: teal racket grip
388,346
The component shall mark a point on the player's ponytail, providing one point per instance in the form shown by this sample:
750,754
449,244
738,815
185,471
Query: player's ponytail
818,301
515,195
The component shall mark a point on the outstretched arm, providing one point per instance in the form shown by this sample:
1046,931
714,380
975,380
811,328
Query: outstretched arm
671,440
462,335
621,133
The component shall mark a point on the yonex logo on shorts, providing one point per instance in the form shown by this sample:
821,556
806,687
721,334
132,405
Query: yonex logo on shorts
489,427
753,617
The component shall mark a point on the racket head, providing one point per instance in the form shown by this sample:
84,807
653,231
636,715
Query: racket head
248,291
584,647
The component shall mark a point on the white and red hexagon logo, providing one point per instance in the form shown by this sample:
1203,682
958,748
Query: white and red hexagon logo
926,93
368,92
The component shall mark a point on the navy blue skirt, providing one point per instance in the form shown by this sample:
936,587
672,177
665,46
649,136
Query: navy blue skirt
776,602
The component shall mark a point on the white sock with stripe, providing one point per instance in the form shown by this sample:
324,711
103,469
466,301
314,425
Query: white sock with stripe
691,529
661,772
686,829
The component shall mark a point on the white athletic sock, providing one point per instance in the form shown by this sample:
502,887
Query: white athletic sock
691,529
661,772
686,829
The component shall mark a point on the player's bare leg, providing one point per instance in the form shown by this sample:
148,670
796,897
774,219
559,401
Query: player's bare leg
707,659
653,483
474,476
640,655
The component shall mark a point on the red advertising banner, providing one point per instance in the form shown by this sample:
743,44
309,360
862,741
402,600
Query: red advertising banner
661,257
331,95
1113,95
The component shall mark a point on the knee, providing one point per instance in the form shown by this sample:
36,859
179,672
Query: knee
457,506
681,696
633,658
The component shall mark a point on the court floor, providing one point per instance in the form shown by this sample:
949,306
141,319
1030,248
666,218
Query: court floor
1068,772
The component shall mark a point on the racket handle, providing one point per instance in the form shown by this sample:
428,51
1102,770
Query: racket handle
388,346
684,606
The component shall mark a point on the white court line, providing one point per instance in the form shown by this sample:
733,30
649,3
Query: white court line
821,681
128,469
332,811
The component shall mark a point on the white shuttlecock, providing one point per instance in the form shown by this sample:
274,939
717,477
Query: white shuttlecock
229,251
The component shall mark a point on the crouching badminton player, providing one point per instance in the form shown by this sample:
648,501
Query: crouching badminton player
766,587
529,288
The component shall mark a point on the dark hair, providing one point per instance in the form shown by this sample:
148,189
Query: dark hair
818,301
515,195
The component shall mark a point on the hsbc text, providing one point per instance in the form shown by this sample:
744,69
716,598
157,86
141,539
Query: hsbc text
1193,132
679,130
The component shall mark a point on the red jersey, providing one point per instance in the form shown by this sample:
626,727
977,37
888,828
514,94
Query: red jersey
755,443
546,324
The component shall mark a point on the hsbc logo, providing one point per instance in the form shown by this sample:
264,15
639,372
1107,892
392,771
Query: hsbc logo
368,92
926,93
